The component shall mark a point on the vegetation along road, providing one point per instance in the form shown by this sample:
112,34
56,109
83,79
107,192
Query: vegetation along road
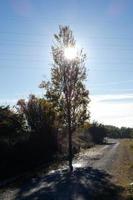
102,172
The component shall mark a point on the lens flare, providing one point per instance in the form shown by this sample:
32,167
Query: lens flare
70,53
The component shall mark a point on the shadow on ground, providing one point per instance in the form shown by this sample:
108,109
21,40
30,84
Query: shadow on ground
83,184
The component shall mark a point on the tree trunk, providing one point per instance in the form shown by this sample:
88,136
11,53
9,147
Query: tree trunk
70,156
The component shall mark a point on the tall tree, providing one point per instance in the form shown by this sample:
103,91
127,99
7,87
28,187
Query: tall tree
67,88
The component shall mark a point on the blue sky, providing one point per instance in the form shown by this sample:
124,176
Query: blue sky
102,27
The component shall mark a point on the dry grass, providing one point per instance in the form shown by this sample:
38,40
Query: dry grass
122,169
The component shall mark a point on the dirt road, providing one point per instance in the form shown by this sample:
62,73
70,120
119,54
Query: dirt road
99,157
90,180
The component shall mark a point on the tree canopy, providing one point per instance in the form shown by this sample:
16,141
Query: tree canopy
67,90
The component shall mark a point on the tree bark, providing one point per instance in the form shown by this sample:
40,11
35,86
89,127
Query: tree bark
70,156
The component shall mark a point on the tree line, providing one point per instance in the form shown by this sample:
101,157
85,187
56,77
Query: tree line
30,135
115,132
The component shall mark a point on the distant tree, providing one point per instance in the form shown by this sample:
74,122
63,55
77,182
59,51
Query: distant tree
115,132
67,89
98,133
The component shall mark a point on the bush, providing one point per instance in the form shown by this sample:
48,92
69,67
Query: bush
97,133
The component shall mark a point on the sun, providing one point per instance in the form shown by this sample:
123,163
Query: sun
70,53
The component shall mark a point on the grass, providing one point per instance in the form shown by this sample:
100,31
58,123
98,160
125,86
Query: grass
123,168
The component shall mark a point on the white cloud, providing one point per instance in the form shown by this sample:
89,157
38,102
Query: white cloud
111,97
109,109
113,83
